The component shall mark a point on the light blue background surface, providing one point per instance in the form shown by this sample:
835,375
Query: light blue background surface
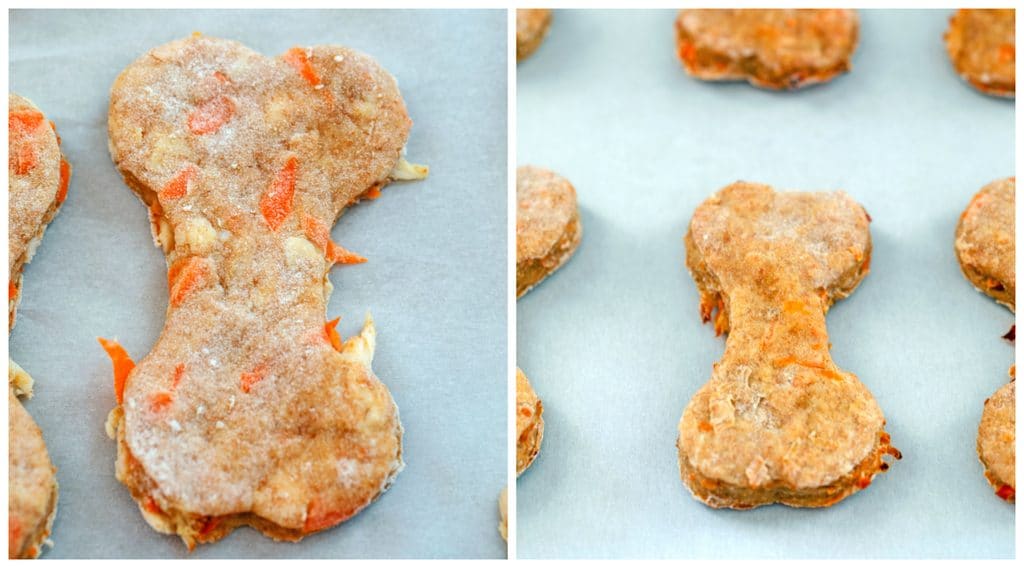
435,281
613,342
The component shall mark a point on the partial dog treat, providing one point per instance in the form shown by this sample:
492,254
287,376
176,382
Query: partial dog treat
985,247
529,423
982,46
548,228
531,27
774,49
38,177
985,241
250,410
778,422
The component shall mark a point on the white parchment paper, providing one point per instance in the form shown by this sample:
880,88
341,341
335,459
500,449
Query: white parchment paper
613,342
435,281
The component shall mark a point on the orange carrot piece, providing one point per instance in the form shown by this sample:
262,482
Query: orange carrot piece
251,378
297,58
158,401
276,203
220,76
210,115
12,290
330,328
65,179
152,507
688,53
122,363
178,186
372,193
184,277
179,372
210,525
23,121
318,517
319,235
1007,52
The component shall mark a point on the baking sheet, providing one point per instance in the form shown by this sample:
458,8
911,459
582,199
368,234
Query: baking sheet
435,282
613,342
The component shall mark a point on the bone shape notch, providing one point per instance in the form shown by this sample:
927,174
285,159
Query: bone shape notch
778,421
249,409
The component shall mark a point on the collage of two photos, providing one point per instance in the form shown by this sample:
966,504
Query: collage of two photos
508,282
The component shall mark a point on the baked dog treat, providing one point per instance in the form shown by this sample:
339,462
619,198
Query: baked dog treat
531,27
38,177
548,228
985,247
778,422
250,410
985,241
503,511
982,46
773,49
529,423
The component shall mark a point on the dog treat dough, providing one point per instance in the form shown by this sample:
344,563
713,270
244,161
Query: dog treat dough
529,423
250,410
778,422
548,228
982,46
774,49
985,247
38,177
531,27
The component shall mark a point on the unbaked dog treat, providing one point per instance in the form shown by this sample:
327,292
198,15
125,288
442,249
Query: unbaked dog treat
985,247
778,422
38,177
531,27
529,423
548,228
250,410
774,49
982,46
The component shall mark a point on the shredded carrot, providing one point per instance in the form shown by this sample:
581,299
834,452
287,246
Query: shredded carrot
1006,493
688,53
65,179
1007,52
373,192
210,115
12,290
178,186
705,426
23,121
220,76
122,363
179,372
863,482
297,58
330,328
251,378
210,525
276,203
158,401
184,277
318,517
319,235
20,125
152,507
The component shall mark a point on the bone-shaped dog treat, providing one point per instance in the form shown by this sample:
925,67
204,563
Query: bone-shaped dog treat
38,177
249,410
778,421
985,246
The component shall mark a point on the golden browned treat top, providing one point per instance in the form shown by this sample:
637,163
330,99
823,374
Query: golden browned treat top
770,48
531,26
31,482
545,204
249,409
982,47
985,241
997,440
778,421
529,423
